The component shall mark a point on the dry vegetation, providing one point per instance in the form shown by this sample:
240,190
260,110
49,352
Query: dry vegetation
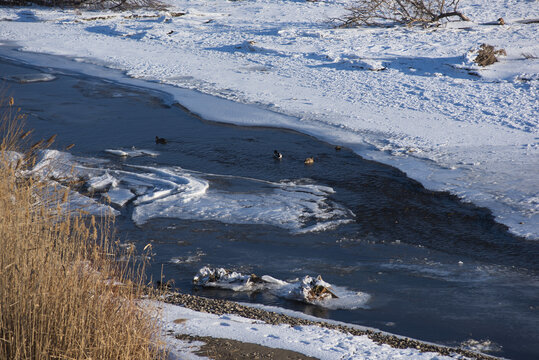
62,293
487,55
383,12
88,4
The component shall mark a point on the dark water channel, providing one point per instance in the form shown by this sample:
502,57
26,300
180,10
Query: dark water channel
437,269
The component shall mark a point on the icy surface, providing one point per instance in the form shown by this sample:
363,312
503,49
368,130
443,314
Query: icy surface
99,183
287,205
11,157
480,346
29,78
56,167
131,152
407,96
119,197
173,192
308,289
313,341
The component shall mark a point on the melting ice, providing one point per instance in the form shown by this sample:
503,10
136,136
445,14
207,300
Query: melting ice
174,192
308,289
30,78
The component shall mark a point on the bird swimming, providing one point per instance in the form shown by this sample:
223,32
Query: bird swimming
309,161
159,140
277,155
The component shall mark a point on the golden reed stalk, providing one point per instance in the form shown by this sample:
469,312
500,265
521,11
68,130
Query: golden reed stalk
63,295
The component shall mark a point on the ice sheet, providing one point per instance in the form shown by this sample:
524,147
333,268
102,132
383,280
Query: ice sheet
100,183
173,192
131,152
287,205
119,197
62,165
30,78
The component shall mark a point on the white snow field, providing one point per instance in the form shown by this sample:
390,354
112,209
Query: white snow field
405,96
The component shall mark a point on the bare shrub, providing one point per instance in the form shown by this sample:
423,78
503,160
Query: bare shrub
62,294
487,55
88,4
382,12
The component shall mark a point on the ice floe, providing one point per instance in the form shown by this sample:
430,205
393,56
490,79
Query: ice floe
102,182
481,346
131,152
310,290
62,165
296,207
174,192
119,197
30,78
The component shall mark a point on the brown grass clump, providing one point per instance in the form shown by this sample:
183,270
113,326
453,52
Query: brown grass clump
487,55
62,294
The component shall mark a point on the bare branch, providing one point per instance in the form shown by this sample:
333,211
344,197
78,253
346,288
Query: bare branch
453,13
384,12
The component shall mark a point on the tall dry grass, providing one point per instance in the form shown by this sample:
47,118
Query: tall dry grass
62,294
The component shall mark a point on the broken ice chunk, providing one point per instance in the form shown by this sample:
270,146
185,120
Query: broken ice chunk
119,197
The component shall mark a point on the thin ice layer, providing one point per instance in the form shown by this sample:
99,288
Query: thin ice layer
173,192
296,207
30,78
131,152
119,197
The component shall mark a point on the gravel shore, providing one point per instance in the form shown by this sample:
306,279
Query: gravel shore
220,307
226,349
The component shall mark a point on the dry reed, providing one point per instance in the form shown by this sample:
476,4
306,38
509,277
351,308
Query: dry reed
62,294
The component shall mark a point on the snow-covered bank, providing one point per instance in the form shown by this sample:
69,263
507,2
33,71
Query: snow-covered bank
309,340
277,328
425,114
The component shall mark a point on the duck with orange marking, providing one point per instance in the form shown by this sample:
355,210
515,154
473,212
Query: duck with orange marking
309,161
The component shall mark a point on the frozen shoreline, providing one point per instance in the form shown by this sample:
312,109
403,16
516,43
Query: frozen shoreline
475,137
189,314
429,173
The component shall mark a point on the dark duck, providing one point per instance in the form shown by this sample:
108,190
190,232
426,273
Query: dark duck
159,140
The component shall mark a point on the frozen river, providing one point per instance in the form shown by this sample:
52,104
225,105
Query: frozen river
435,268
